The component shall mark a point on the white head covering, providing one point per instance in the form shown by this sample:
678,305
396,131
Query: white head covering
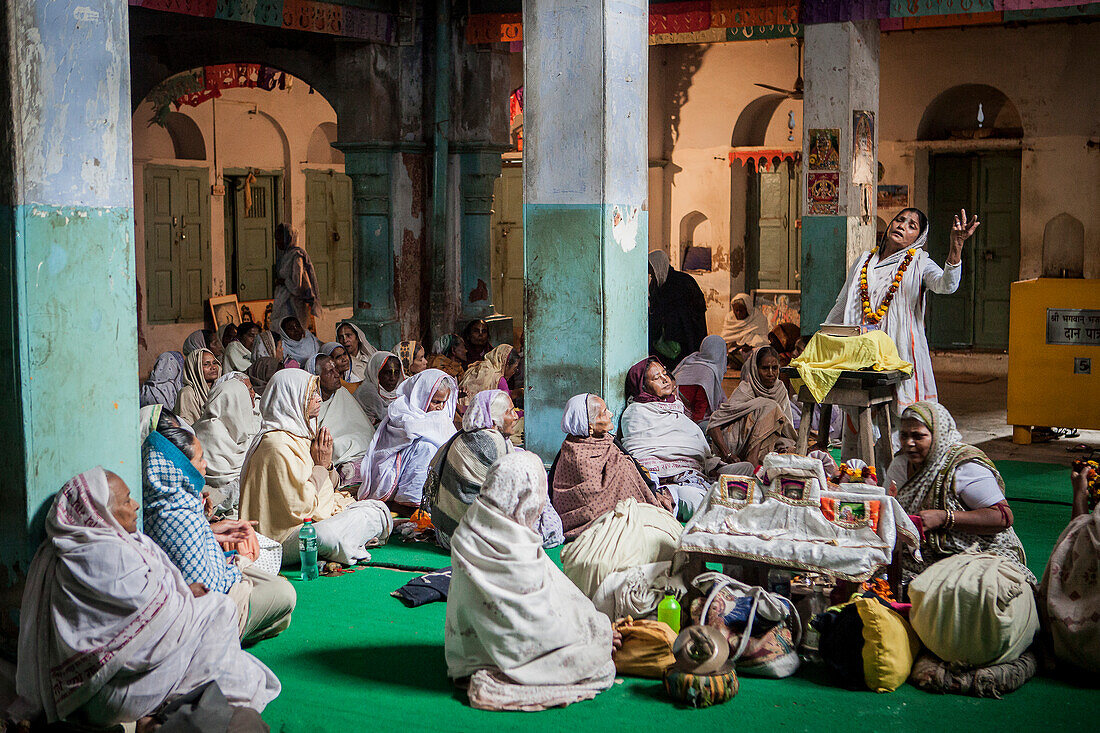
283,407
752,330
330,346
575,420
302,349
366,349
706,368
371,397
226,377
196,340
660,264
99,599
225,430
511,609
263,346
165,380
407,420
193,376
487,410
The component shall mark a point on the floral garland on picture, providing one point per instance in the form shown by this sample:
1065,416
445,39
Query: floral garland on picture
877,314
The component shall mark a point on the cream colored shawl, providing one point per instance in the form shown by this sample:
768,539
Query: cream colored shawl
236,357
192,397
514,621
225,429
486,373
350,427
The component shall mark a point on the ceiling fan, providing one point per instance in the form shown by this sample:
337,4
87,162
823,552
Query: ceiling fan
795,93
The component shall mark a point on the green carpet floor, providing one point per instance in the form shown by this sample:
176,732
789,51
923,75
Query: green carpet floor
356,659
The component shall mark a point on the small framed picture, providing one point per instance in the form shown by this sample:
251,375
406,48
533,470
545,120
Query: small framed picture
225,309
258,312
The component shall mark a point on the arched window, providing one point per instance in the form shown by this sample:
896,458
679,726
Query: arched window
954,115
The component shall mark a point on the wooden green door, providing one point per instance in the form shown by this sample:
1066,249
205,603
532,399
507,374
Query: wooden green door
254,238
328,236
177,243
774,254
507,257
987,184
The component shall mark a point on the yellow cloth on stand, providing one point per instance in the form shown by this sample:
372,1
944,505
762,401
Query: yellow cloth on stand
826,357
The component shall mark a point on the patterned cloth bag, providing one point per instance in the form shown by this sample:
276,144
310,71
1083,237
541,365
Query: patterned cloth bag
763,628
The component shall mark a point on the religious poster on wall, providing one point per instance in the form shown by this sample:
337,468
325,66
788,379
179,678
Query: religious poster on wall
863,146
893,197
824,149
824,192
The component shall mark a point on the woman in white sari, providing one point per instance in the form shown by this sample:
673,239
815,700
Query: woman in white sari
746,326
287,478
757,416
379,388
662,437
226,428
200,371
110,631
350,427
354,341
238,356
522,632
417,424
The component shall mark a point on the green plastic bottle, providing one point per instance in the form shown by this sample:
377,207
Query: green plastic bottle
668,611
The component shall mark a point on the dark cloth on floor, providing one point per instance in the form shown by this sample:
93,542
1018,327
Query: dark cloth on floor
934,675
427,588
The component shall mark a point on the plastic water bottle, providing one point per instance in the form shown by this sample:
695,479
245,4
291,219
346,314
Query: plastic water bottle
307,550
668,612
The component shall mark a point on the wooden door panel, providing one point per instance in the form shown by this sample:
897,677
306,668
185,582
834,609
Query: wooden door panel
255,232
774,220
996,246
194,244
949,318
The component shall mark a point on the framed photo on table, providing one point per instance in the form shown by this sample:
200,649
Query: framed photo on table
225,309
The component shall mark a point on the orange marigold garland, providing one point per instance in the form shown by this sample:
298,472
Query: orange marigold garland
876,315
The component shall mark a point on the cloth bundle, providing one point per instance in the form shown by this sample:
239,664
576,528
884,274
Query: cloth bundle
631,535
996,680
827,356
1071,595
867,644
974,609
636,591
787,519
646,649
427,588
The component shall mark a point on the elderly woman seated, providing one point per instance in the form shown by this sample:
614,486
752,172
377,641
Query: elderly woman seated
110,631
756,419
518,632
699,378
954,488
174,469
379,388
343,417
658,432
200,370
448,355
288,478
358,348
298,343
592,472
226,428
459,468
492,372
418,423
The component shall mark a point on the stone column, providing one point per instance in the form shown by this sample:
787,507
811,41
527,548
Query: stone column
842,77
369,165
585,227
68,314
480,168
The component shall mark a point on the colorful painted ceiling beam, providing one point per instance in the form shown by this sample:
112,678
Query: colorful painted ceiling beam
299,15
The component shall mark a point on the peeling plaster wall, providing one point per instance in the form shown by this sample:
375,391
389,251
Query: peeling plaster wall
269,131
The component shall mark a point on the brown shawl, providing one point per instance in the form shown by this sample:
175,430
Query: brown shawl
591,476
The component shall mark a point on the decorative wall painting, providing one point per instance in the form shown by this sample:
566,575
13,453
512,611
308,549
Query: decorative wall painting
863,146
824,192
824,149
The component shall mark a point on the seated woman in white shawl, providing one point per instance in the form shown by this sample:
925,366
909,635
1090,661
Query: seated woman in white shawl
287,478
699,378
110,631
417,424
200,370
359,350
662,437
746,327
343,417
756,418
298,343
379,388
238,353
521,632
226,428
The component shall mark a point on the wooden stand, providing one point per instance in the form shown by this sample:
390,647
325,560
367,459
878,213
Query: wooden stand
871,395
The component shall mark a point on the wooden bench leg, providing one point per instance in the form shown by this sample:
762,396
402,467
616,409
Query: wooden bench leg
823,426
884,448
803,444
866,436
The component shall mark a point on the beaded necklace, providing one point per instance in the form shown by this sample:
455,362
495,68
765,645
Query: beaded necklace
876,315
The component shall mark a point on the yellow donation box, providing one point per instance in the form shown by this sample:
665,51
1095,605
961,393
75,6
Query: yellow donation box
1054,355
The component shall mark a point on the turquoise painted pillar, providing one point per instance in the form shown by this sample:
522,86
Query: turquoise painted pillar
68,316
585,227
479,169
369,167
841,79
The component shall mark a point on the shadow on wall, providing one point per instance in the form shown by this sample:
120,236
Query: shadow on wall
1064,247
686,60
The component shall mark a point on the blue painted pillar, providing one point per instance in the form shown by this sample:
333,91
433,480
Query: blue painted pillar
68,316
369,167
584,185
842,77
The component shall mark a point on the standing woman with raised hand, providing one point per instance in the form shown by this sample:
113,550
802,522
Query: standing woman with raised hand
886,290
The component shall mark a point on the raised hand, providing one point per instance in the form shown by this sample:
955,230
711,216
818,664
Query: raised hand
962,229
